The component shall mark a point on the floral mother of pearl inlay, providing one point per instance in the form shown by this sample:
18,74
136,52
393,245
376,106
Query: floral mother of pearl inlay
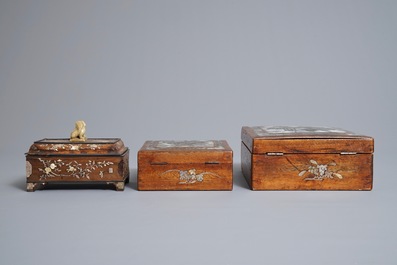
291,130
72,147
59,168
190,176
319,172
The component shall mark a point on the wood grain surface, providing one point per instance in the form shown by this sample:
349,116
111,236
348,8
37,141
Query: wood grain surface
185,168
306,143
292,171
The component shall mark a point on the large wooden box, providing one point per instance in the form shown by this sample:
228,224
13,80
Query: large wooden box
61,161
185,165
306,158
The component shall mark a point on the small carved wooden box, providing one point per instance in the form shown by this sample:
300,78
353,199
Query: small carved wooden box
306,158
61,161
185,165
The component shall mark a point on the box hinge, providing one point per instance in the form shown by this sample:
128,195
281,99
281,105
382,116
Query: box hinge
275,154
348,153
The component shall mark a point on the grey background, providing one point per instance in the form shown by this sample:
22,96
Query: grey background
142,70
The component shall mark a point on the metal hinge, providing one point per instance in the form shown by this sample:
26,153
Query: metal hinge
348,153
274,154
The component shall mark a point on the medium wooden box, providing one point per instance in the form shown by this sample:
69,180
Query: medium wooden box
60,161
185,165
306,158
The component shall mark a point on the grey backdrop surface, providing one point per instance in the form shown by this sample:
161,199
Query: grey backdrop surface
143,70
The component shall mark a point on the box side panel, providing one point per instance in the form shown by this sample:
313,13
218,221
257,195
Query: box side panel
185,176
312,172
325,146
124,166
48,169
246,164
247,137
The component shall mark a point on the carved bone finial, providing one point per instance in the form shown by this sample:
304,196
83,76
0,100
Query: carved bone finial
78,134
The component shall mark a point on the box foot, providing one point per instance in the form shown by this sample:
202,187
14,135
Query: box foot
119,185
30,187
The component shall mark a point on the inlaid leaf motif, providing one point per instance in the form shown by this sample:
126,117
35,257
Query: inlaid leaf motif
190,176
302,173
338,175
53,168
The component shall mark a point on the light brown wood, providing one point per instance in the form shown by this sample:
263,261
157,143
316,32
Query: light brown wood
324,146
96,161
311,143
185,168
304,162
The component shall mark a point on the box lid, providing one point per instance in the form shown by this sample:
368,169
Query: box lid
203,151
65,147
295,139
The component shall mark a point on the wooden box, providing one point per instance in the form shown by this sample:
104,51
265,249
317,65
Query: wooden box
185,165
306,158
61,161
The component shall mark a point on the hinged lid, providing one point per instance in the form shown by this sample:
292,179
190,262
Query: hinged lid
290,140
65,147
173,152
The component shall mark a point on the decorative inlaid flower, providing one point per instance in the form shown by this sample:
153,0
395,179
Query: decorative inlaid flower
319,171
71,169
200,177
190,176
53,166
47,170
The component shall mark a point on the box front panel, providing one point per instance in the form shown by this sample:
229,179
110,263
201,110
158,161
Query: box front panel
76,169
312,172
185,176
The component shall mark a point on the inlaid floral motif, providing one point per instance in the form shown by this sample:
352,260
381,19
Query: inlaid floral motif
190,176
54,168
293,130
93,146
320,172
71,147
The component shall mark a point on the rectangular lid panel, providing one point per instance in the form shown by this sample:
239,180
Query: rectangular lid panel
288,139
92,146
174,152
196,145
